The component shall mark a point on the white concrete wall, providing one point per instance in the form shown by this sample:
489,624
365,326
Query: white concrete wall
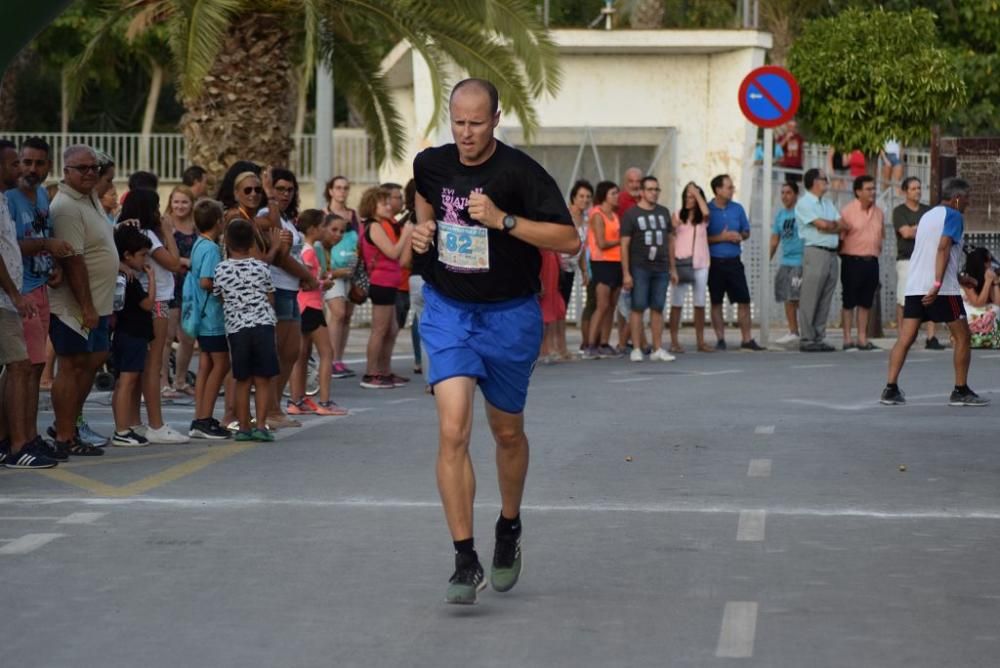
695,93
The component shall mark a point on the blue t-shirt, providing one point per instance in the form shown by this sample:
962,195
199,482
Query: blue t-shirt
788,232
31,221
733,218
205,255
345,253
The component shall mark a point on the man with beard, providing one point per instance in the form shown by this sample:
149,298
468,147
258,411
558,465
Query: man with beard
29,208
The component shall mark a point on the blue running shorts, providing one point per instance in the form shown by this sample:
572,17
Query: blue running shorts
495,343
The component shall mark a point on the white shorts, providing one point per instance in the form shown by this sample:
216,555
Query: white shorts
339,289
902,274
700,287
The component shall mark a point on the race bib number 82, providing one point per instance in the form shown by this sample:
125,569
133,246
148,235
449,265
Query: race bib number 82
462,248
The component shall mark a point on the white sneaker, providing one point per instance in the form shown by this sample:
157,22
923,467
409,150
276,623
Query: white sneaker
788,338
661,355
635,355
165,435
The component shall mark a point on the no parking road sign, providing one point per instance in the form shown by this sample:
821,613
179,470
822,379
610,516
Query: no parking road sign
769,96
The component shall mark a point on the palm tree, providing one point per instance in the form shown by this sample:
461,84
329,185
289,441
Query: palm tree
239,63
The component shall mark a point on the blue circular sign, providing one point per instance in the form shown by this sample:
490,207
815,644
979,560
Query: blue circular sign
769,96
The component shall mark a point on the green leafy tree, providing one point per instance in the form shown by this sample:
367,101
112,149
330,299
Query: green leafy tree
867,76
238,63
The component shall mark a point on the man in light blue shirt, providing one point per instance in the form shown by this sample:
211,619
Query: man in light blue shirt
819,227
788,281
728,228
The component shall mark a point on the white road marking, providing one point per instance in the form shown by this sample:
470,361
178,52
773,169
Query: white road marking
992,356
28,519
812,366
764,429
751,526
317,421
402,401
29,543
759,468
723,372
739,626
244,502
81,518
636,379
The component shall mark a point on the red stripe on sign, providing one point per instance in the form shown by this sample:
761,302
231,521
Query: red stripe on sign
767,96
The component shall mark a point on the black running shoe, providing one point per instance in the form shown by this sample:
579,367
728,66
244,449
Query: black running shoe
467,581
967,398
933,344
30,457
4,450
892,397
752,346
506,567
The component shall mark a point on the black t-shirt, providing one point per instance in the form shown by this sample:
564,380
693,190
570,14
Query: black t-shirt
649,237
133,319
469,262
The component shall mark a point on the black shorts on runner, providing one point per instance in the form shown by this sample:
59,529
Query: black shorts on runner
946,308
727,277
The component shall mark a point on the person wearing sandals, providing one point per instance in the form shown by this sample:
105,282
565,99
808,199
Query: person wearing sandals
860,247
314,226
339,308
244,285
691,262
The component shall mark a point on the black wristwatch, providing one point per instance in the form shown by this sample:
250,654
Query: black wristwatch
509,223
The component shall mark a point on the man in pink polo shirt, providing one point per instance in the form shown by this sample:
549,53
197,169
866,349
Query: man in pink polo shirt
860,246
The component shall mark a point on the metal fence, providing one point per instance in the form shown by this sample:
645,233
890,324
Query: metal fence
165,156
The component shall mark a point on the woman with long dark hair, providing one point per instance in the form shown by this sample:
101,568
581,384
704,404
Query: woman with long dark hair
981,293
604,241
339,308
144,206
581,198
690,251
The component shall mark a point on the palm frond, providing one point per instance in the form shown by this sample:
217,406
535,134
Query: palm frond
410,30
357,66
196,35
74,74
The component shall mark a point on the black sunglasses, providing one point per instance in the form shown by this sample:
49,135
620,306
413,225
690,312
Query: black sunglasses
251,189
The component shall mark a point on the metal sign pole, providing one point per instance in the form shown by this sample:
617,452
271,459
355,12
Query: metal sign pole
765,240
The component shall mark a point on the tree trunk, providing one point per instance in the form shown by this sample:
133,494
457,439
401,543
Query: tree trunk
64,101
152,99
246,109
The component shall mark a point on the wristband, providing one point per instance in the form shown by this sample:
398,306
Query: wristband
937,284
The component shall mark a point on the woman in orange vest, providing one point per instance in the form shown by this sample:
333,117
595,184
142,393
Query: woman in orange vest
604,242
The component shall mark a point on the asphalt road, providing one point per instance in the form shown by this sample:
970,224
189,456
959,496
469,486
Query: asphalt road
734,508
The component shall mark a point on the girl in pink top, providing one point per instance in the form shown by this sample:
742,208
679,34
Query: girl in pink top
314,226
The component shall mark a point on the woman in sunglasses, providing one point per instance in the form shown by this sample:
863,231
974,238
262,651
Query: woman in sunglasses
246,192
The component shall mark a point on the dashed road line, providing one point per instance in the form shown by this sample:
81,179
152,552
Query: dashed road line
759,468
813,366
739,626
28,543
751,526
764,429
636,379
81,518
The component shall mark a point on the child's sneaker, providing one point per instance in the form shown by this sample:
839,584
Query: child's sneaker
304,406
243,436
